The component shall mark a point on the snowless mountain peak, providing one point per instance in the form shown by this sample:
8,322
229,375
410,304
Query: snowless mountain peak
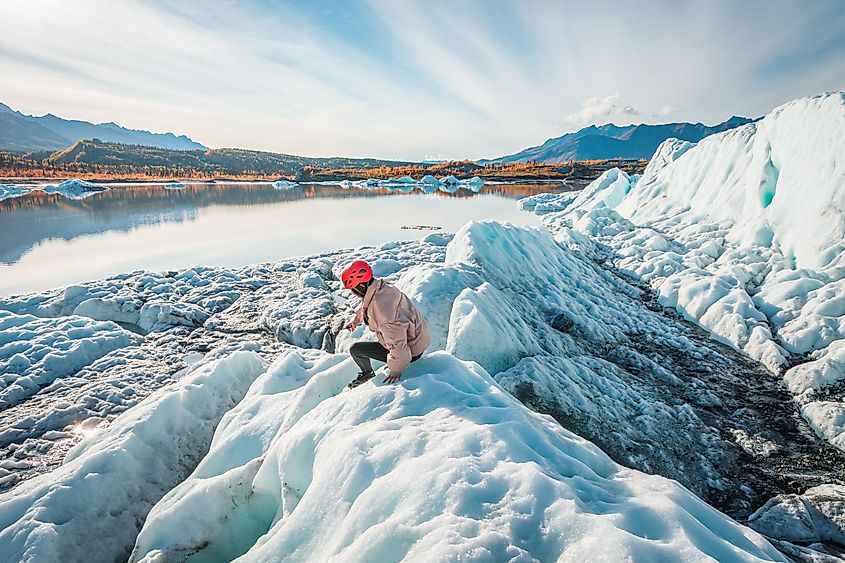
50,132
609,141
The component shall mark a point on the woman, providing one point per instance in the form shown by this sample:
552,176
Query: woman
402,331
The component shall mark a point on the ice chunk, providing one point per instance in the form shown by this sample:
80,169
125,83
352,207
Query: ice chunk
484,328
608,190
475,183
75,189
828,420
9,191
814,516
284,184
161,314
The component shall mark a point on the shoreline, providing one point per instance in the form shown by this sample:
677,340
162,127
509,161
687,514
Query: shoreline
163,181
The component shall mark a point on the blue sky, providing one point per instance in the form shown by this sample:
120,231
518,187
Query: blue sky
412,80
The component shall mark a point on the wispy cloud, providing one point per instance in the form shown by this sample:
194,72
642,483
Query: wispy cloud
404,79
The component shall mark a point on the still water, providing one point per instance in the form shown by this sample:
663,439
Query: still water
49,241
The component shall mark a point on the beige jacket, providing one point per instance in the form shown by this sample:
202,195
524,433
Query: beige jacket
399,325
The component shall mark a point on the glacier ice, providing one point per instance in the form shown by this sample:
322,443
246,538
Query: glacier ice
446,466
90,508
35,352
743,234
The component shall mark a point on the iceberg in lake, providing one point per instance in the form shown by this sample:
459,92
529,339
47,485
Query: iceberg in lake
8,191
75,189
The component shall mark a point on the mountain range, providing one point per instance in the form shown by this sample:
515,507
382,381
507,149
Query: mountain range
26,133
613,141
30,134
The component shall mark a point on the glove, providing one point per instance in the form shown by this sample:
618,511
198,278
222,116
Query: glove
392,377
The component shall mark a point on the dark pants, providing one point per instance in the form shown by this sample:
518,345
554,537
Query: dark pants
363,352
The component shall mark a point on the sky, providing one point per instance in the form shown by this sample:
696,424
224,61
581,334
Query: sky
419,80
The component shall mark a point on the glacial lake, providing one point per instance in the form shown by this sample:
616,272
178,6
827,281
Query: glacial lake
47,240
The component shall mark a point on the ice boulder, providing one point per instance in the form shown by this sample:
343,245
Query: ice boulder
446,466
9,191
75,189
542,204
430,180
404,180
814,516
607,190
154,315
475,183
284,184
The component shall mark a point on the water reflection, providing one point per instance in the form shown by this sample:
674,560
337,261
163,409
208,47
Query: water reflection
48,241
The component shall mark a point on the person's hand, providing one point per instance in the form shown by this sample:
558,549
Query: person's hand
392,377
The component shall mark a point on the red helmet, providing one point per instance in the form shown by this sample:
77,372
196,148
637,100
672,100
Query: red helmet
357,272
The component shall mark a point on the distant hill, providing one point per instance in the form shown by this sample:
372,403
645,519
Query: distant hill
22,133
612,141
97,160
113,159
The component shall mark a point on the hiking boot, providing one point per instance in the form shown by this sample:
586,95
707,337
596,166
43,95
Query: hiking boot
363,377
